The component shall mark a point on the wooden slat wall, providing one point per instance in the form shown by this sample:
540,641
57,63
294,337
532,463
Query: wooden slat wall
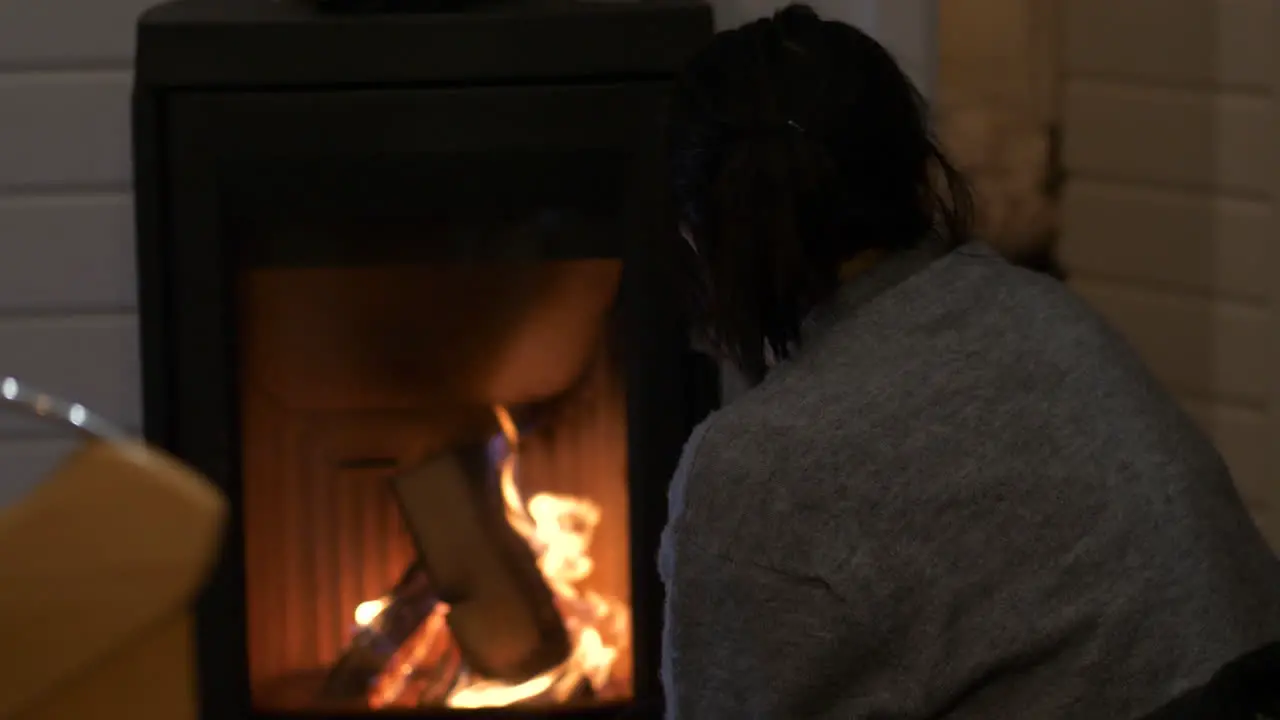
1168,213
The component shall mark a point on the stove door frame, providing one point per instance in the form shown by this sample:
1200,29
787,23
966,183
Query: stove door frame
192,149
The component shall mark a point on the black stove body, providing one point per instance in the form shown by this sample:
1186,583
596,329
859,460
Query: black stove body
325,200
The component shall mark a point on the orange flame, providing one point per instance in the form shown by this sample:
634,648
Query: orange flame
559,529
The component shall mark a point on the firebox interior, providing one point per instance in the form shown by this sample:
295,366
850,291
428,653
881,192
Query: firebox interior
353,375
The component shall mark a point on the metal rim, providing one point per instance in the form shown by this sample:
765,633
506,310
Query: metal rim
32,401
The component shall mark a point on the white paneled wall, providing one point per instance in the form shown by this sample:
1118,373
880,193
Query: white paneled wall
66,226
1168,223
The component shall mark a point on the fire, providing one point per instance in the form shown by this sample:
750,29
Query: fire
369,610
559,529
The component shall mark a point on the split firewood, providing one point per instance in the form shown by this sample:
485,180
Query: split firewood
501,613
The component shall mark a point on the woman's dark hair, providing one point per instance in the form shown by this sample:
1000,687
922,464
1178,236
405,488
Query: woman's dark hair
795,144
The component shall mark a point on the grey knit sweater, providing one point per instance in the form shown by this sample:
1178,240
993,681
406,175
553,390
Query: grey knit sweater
963,498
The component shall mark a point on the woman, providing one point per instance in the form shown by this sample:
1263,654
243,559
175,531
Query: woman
954,492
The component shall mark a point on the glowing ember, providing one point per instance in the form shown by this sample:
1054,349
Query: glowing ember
559,529
368,611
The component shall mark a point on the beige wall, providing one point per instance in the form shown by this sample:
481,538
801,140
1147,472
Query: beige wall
999,51
997,101
1167,218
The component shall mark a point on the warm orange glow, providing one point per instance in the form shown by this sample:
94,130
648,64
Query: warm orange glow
559,530
368,610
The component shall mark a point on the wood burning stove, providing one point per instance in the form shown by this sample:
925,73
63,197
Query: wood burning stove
400,298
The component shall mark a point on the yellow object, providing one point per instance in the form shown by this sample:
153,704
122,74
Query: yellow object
99,566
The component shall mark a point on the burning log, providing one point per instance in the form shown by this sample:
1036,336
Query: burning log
493,610
386,625
501,613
